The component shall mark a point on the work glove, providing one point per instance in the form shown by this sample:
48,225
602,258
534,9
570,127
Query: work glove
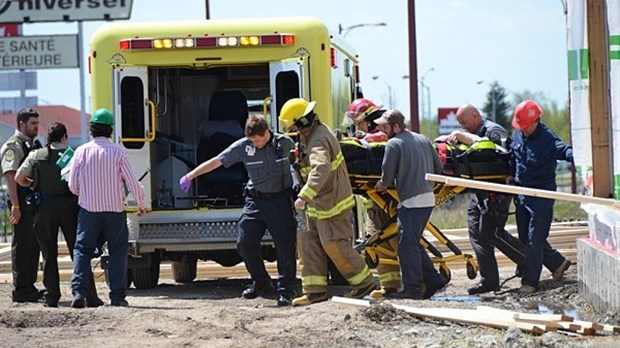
185,183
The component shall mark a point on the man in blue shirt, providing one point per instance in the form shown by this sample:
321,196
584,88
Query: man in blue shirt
535,152
268,205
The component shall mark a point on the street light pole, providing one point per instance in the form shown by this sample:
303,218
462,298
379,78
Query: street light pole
345,30
389,88
427,103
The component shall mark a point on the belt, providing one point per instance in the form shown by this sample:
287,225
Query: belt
257,194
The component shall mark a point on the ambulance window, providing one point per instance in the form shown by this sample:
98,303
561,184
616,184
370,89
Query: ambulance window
287,87
132,111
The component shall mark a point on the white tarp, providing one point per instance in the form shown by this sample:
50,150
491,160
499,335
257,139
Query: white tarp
578,74
613,19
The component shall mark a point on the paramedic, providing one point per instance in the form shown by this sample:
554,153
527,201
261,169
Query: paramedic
56,208
408,157
488,211
535,152
362,112
327,198
100,171
24,247
268,205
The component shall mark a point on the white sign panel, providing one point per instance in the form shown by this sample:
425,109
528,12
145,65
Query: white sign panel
38,52
16,81
63,10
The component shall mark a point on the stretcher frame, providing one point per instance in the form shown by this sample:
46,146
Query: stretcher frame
388,201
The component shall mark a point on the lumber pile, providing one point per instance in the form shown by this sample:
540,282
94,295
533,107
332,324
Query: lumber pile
501,318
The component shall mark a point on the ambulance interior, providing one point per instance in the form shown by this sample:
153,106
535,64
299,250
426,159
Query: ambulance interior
199,113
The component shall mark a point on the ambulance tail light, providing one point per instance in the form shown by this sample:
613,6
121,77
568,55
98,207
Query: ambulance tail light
333,57
136,44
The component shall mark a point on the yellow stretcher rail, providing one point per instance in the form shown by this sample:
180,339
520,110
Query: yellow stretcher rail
388,201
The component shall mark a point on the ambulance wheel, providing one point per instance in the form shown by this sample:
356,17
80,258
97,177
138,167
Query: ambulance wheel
147,277
184,270
445,271
472,271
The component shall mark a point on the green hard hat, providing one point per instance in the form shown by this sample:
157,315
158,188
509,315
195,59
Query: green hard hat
102,116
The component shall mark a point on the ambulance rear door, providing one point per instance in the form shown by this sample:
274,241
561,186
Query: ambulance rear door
288,79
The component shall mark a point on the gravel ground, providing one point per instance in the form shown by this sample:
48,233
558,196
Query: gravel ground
210,313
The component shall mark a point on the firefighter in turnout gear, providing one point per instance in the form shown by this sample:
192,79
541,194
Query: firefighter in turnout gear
56,207
24,247
327,198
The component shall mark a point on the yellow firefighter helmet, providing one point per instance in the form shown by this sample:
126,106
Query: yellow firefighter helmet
294,111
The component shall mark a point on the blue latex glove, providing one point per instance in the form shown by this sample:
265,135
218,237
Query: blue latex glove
185,183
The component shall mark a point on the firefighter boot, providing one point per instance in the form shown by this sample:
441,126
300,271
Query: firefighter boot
308,299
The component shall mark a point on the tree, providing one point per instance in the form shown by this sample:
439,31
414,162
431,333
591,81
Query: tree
496,107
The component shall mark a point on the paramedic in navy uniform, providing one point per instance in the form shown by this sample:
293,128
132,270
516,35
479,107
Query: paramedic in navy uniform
268,205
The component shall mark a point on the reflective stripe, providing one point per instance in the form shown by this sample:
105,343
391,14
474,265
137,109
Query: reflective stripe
308,192
360,277
338,161
313,280
305,171
341,206
389,277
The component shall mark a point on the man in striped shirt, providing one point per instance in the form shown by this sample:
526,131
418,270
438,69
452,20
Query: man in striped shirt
100,170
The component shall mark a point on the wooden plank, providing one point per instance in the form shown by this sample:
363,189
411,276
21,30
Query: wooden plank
489,186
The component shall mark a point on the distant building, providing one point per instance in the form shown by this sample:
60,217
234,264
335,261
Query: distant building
48,114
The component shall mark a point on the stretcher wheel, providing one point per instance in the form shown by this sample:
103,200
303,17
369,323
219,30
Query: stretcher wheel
372,263
445,271
472,269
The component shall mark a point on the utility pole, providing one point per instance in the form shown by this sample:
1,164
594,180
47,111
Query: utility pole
207,10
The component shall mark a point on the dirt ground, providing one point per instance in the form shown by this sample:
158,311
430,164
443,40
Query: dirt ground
210,313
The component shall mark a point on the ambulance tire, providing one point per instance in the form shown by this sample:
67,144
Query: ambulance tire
184,270
147,277
107,279
335,278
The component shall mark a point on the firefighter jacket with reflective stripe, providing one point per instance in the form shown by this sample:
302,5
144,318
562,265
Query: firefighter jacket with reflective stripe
327,188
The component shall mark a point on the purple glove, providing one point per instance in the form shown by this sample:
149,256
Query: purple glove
185,183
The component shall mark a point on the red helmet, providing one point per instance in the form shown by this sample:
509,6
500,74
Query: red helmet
526,113
360,108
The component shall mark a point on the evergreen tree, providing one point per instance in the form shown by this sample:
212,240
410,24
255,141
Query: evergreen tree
497,108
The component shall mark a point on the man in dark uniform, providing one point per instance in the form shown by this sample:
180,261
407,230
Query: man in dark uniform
488,211
267,158
535,153
57,207
24,247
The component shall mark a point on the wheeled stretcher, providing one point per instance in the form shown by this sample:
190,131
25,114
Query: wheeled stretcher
480,162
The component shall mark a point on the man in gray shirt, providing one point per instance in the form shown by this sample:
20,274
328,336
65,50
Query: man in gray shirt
408,157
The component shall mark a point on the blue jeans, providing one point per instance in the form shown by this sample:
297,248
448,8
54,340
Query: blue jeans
415,264
534,216
113,227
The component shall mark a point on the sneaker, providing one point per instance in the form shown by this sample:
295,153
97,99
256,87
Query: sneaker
254,290
119,303
94,303
432,288
383,292
558,274
406,294
481,288
309,299
527,290
78,302
362,292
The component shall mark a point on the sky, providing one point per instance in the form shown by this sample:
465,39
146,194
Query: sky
462,45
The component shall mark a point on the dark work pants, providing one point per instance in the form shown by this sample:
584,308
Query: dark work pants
113,227
24,254
276,214
534,216
415,264
52,214
486,218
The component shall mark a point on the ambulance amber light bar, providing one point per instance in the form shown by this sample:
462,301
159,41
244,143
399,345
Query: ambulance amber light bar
201,42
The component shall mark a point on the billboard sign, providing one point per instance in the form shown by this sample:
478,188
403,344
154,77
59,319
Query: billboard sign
29,11
447,120
38,52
